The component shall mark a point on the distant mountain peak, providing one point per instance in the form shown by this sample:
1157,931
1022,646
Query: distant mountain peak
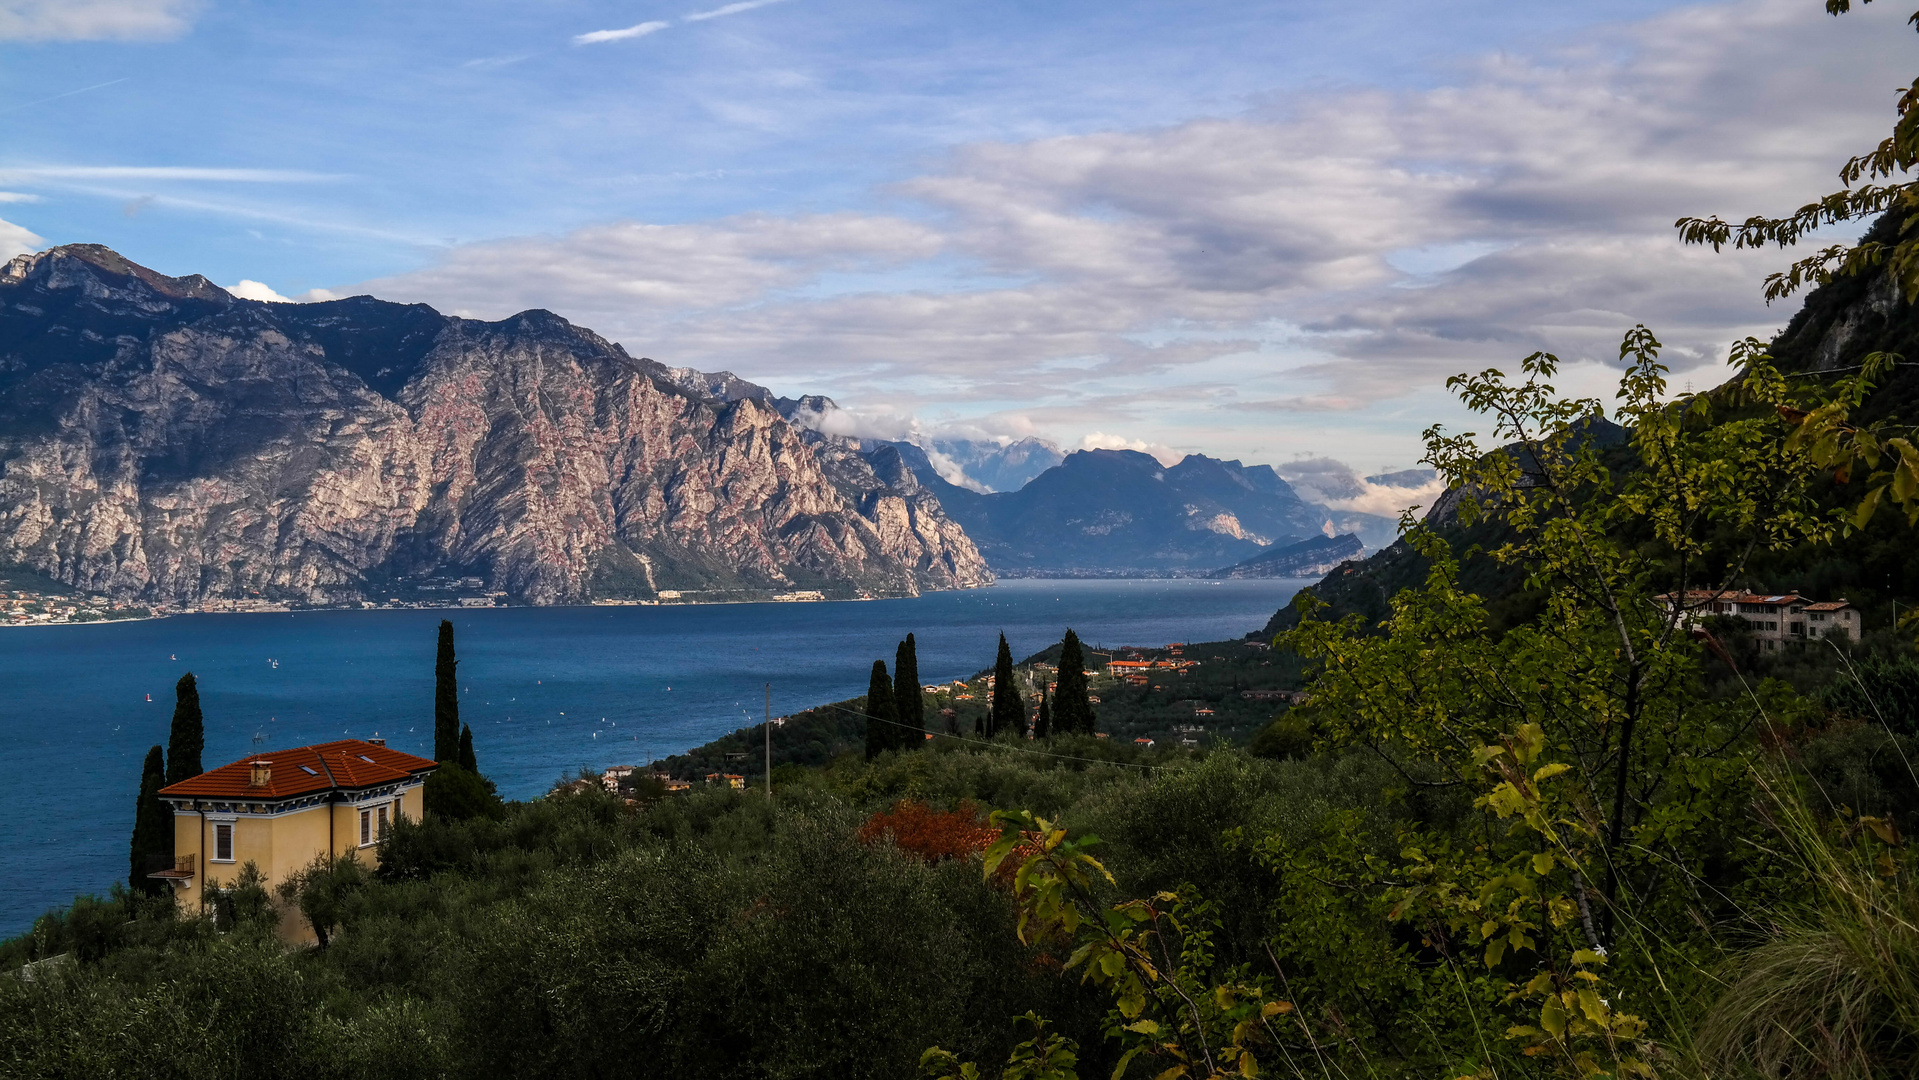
100,258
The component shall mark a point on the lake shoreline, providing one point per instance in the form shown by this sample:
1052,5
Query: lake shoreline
547,690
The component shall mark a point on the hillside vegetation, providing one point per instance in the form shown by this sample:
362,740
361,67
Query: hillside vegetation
1533,819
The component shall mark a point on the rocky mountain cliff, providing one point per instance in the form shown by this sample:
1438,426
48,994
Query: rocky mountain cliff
162,440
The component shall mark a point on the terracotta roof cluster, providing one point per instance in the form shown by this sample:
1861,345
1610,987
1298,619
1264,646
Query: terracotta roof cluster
1707,596
304,770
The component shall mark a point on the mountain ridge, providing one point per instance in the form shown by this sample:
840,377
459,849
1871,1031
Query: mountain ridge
163,440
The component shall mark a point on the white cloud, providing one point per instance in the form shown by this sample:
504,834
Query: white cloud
659,272
248,289
95,20
635,31
730,9
1196,281
17,197
1099,440
15,240
1336,485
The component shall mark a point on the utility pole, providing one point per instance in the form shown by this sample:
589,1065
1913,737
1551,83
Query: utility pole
769,740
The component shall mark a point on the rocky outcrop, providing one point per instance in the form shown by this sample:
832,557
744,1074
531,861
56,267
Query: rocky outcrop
164,441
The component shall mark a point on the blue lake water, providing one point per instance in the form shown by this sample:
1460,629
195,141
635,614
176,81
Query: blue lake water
546,690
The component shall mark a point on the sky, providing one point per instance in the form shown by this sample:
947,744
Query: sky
1265,231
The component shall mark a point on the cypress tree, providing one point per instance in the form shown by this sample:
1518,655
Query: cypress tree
446,699
467,761
908,702
1043,727
1009,712
152,826
880,713
1072,712
189,735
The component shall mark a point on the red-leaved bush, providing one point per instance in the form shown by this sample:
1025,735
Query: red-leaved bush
931,834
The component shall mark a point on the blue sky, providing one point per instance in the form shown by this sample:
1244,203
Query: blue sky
1256,230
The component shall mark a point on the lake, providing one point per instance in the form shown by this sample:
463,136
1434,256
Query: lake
547,691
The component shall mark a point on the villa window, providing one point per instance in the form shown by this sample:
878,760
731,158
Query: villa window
366,827
382,822
223,842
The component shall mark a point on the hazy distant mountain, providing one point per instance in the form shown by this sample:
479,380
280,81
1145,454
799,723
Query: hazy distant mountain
1308,558
1405,478
998,467
164,440
1121,511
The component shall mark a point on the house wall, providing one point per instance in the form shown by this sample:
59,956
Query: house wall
281,845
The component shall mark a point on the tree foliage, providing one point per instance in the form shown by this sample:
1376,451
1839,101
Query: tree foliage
152,846
458,793
1072,706
187,738
908,701
446,698
882,721
1008,713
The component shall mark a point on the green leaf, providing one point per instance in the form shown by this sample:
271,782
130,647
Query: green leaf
1866,507
1552,1018
1126,1059
997,852
1543,864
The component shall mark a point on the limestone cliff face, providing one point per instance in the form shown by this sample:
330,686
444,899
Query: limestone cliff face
162,440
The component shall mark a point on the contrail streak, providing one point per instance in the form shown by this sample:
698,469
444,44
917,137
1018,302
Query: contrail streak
57,97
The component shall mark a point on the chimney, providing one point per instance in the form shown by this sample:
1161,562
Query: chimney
377,741
262,774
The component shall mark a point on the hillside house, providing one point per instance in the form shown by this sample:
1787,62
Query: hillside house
280,810
1772,617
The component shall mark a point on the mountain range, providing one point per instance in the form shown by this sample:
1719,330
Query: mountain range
166,442
163,440
1103,512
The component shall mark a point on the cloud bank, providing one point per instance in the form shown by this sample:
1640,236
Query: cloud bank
15,240
95,20
1328,254
1335,484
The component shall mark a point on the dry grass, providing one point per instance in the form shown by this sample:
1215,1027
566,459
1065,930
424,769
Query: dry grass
1834,990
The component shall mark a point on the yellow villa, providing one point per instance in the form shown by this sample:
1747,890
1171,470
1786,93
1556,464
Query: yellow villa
281,809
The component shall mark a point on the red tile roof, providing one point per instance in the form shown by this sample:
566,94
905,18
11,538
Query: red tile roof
1828,605
1700,596
304,770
